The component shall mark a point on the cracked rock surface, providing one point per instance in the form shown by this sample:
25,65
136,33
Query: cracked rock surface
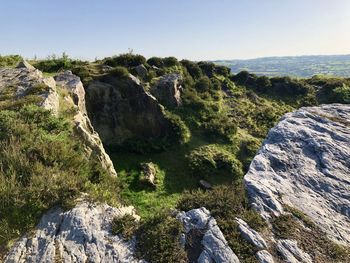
83,126
24,78
213,243
305,163
82,234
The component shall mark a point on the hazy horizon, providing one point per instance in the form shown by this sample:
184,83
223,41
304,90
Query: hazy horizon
196,29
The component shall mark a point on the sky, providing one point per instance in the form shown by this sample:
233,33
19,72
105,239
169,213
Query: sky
192,29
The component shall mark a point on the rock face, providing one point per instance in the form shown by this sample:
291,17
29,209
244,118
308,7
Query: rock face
83,127
26,78
213,245
305,163
82,234
121,109
168,90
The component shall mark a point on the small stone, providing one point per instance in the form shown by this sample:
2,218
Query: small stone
149,172
205,185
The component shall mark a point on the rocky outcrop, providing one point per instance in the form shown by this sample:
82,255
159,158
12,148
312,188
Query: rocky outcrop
264,256
201,228
141,71
291,253
305,163
26,79
168,90
250,235
82,234
83,127
120,108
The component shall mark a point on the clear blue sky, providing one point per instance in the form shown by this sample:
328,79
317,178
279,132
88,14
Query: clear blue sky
194,29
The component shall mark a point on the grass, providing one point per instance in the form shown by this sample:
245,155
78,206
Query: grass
173,177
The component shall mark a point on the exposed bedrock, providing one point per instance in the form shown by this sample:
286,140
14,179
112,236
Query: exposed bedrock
305,163
120,108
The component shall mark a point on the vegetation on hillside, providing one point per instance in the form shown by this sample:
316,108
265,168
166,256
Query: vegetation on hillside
42,165
217,131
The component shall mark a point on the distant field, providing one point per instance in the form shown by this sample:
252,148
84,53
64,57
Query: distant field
302,66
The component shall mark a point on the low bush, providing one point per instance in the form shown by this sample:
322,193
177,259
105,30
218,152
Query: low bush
120,72
127,60
158,240
155,61
180,133
211,161
10,60
125,225
53,63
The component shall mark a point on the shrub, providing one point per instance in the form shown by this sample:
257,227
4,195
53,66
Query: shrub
222,70
125,226
53,63
211,161
342,94
180,132
10,60
127,60
120,72
220,125
171,62
203,84
193,69
155,61
208,68
158,240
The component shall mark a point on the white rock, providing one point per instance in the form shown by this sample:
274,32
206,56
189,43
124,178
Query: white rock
305,163
26,77
82,234
215,247
250,235
264,256
291,253
83,125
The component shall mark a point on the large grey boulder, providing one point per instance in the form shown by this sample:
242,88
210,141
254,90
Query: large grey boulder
214,245
24,79
305,163
84,129
82,234
120,108
168,90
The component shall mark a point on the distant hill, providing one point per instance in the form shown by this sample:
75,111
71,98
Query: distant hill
300,66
